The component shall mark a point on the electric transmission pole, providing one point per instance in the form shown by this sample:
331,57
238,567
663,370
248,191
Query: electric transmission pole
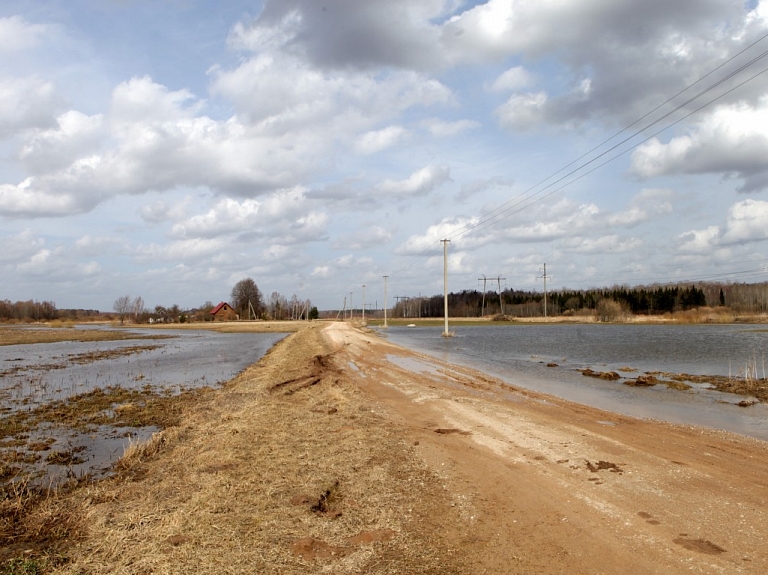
482,307
501,302
445,285
385,300
363,303
545,277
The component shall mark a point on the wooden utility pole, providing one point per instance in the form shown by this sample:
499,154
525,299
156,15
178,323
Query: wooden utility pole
482,307
445,243
545,277
385,300
501,302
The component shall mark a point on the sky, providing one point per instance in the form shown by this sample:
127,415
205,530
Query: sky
166,149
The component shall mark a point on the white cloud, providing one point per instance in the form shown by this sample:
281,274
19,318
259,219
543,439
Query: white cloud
54,149
430,240
747,222
20,246
23,201
39,263
186,250
522,111
731,140
419,183
332,129
26,103
18,34
368,237
378,140
699,241
612,243
441,129
321,272
284,216
513,80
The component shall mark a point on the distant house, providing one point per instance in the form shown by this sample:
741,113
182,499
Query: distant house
223,312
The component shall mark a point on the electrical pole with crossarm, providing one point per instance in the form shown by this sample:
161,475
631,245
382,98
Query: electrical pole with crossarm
545,277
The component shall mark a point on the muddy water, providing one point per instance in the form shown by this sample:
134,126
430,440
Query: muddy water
37,374
521,354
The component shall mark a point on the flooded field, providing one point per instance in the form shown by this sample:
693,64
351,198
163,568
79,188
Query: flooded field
70,408
709,375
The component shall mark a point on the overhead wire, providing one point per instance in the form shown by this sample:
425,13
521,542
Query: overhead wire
523,200
498,216
537,197
637,121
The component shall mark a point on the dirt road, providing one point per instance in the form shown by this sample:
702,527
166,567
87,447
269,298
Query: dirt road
341,453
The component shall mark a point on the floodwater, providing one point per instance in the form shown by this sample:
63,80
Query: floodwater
519,354
35,374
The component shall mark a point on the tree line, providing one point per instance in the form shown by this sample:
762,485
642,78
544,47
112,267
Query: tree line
28,311
245,299
640,300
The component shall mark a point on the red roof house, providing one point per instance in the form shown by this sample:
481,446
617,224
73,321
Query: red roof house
223,312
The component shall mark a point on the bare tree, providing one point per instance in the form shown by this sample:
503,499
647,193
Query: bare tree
137,308
246,296
122,307
278,305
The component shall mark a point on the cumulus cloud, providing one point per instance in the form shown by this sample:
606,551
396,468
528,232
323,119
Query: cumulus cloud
186,250
20,246
611,243
26,103
363,239
522,111
699,241
75,135
430,36
442,129
23,200
513,80
321,272
730,140
283,216
18,34
378,140
746,222
419,183
418,244
342,33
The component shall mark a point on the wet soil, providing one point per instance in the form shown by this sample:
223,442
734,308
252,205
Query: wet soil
754,387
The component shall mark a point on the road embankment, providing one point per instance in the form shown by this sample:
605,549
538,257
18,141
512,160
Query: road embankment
339,452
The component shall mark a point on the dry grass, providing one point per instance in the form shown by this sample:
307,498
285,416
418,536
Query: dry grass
285,470
238,326
25,335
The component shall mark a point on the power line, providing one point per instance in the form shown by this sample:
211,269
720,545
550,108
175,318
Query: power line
522,200
491,218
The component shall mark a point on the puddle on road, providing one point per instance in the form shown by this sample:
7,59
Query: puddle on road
413,364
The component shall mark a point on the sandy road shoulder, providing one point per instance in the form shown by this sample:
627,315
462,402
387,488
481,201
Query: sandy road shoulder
549,485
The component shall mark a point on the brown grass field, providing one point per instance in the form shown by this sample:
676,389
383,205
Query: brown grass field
341,453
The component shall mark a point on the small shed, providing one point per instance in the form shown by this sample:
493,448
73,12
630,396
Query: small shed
223,312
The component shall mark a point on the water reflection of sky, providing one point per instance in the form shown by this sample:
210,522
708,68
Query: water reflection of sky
36,374
189,359
519,354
